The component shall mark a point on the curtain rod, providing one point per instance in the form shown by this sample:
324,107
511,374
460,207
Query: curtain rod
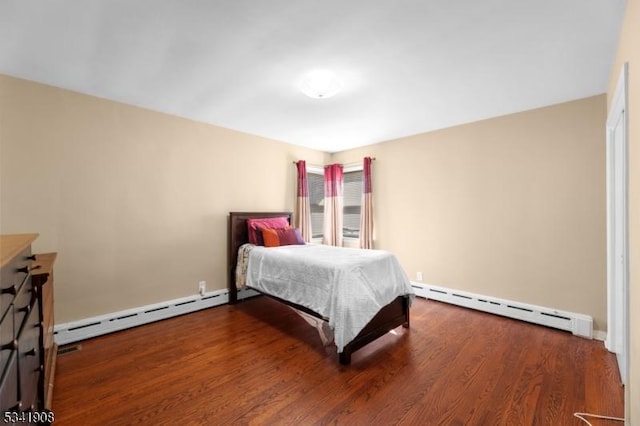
354,163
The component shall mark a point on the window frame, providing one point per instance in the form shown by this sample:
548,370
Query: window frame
347,241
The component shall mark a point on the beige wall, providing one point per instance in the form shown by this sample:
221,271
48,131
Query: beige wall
134,201
512,207
629,51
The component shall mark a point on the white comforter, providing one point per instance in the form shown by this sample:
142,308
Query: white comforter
346,286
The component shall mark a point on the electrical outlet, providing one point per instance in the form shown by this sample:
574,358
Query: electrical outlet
202,285
419,276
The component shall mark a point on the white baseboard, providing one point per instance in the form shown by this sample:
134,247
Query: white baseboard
76,331
599,335
71,332
578,324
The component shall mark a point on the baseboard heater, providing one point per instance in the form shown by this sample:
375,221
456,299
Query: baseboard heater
578,324
71,332
76,331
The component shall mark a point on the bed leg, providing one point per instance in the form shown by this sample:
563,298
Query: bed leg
405,307
345,357
233,293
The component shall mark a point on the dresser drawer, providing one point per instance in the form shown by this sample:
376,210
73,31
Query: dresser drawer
23,304
7,338
12,276
9,397
29,359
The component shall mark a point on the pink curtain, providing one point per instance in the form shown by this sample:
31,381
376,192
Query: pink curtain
333,203
302,218
366,207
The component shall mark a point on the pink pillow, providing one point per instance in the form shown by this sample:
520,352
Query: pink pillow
255,235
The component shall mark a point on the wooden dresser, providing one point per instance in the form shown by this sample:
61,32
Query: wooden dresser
26,325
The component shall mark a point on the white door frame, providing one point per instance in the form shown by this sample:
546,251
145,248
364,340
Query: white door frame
617,228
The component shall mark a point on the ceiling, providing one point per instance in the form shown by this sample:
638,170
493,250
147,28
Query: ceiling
406,66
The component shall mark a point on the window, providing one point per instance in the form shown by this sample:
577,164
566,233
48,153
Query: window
315,181
352,203
352,192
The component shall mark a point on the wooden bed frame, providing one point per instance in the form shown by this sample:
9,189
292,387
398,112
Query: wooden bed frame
393,315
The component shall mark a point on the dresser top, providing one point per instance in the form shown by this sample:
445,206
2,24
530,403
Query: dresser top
43,263
11,245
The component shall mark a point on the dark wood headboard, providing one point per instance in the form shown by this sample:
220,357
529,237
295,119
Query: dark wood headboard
238,235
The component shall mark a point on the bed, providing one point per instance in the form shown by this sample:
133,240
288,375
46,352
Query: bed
390,316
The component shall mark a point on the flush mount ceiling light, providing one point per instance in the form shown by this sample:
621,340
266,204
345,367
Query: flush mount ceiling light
320,84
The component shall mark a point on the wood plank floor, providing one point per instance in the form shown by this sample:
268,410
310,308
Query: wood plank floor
259,363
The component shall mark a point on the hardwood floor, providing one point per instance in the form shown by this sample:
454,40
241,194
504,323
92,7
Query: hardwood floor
259,363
